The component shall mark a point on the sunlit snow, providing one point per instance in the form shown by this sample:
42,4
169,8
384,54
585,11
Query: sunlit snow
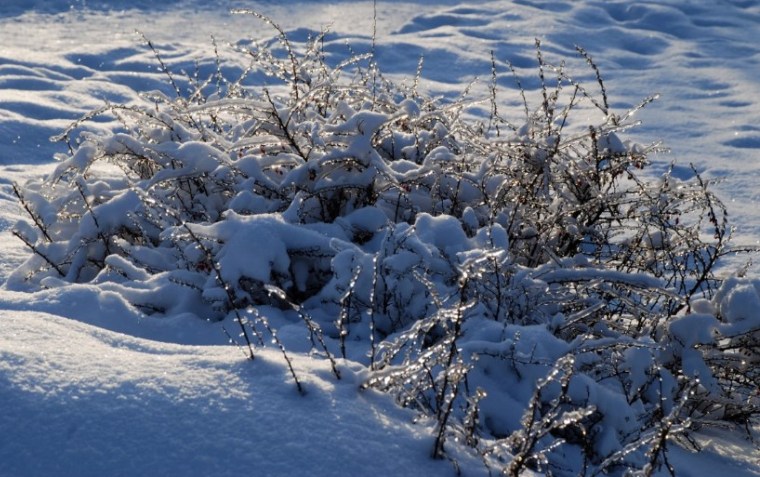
91,386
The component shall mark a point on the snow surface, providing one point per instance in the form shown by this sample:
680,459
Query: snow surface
79,400
88,386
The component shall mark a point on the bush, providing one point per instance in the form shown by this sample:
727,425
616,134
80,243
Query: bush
530,286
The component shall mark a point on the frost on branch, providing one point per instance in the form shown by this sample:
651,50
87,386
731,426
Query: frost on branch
529,285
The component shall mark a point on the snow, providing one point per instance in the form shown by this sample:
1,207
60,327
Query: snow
91,386
82,401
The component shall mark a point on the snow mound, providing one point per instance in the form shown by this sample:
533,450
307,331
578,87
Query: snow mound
96,402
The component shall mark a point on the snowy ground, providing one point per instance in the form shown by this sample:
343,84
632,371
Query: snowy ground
89,387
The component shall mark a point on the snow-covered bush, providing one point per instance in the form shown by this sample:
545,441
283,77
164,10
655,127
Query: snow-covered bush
529,285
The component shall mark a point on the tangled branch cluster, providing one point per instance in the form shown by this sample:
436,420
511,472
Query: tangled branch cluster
528,285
